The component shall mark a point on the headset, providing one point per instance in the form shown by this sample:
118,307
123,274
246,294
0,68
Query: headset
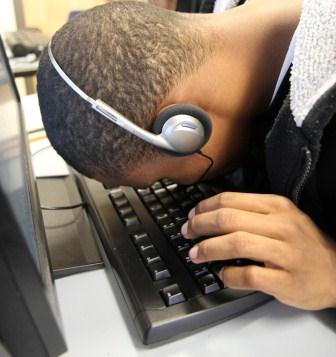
180,129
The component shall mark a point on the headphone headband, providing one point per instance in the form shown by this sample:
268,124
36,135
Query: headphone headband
193,131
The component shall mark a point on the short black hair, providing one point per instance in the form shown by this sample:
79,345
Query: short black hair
129,54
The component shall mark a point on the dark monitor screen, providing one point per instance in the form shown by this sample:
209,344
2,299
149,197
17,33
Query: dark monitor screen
13,166
28,308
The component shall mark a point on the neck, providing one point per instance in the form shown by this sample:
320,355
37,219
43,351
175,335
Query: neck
248,46
250,43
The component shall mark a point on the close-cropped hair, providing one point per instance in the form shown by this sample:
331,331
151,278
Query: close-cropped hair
130,55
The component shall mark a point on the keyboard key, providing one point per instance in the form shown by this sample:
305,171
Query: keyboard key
190,189
181,244
149,199
184,254
131,221
180,219
193,191
196,197
167,201
162,218
125,211
156,207
174,187
179,196
156,185
185,257
172,295
199,271
168,228
216,266
186,204
159,271
173,211
144,243
173,235
183,247
119,202
115,194
208,284
167,182
138,236
161,192
145,191
150,255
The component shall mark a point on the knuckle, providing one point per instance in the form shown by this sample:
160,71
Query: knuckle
224,198
226,276
283,203
293,225
192,224
303,219
287,229
292,258
250,277
203,250
238,244
224,217
200,207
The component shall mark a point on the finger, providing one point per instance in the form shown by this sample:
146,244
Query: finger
258,203
253,277
242,245
228,220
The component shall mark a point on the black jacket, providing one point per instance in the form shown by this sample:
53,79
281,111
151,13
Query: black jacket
301,162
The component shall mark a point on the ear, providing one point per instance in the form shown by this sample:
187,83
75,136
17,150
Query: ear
187,109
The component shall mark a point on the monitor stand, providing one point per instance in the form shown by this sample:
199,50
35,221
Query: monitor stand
70,235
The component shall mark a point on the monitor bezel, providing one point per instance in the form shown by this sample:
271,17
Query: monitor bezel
39,271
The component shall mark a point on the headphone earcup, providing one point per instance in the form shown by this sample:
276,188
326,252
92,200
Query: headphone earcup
189,110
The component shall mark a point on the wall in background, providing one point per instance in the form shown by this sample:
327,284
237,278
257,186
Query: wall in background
47,15
7,16
8,23
50,15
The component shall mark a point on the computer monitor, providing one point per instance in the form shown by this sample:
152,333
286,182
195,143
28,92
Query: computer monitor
29,323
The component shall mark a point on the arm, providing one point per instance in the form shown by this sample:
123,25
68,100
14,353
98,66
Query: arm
299,259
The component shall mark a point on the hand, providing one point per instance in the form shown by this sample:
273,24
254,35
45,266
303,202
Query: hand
299,259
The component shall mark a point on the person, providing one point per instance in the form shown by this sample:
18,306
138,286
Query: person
168,4
142,59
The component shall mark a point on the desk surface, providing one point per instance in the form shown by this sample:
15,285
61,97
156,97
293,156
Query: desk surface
22,67
97,323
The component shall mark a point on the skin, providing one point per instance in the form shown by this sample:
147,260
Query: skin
299,259
168,4
232,81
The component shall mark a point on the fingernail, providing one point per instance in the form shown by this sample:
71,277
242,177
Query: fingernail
184,229
193,252
191,213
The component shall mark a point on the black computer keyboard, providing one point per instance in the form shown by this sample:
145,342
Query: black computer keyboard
169,205
167,294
